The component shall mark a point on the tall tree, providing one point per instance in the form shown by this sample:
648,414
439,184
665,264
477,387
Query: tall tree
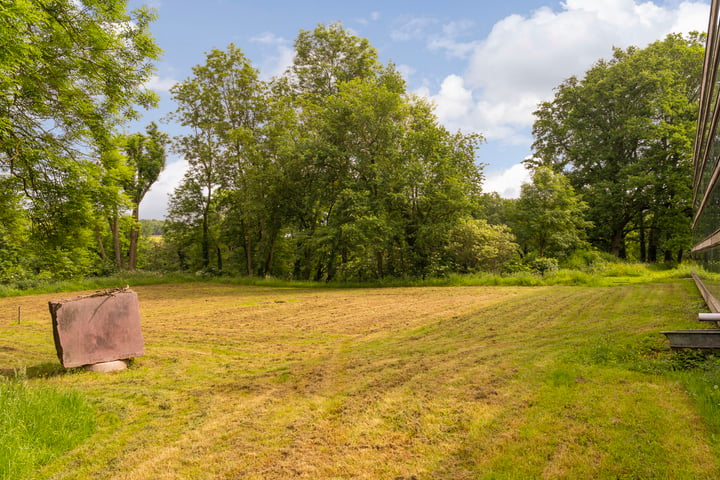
70,72
222,105
328,56
623,136
146,157
549,216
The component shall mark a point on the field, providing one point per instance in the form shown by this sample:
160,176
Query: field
396,383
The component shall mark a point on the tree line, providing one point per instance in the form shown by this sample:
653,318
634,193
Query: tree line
331,171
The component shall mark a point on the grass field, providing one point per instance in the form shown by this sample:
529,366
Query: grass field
397,383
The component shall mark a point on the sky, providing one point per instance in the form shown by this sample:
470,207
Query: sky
486,64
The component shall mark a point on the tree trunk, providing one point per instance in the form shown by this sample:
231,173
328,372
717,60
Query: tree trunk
219,258
114,227
643,249
205,241
101,246
617,246
380,265
269,257
248,250
134,234
652,245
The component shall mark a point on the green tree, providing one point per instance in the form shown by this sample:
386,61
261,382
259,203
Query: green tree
548,217
623,136
70,72
146,157
328,56
222,106
475,245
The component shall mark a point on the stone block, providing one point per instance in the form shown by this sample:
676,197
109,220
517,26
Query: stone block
102,327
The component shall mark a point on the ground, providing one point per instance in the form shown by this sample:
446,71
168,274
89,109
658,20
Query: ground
400,383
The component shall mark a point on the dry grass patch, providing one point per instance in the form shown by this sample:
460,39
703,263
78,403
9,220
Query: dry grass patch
400,383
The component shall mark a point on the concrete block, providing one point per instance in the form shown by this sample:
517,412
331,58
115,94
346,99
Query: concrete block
102,327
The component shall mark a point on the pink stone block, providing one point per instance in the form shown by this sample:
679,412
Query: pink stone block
101,327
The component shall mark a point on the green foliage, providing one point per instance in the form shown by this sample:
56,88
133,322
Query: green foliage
331,172
543,265
623,136
146,157
151,227
587,260
70,73
475,245
548,218
37,425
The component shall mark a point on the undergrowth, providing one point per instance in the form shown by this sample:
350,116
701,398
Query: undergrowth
610,274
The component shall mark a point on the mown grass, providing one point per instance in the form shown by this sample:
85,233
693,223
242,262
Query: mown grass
435,382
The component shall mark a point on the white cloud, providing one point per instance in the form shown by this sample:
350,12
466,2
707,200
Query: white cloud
448,41
411,28
154,205
507,182
524,57
374,17
405,70
280,56
160,84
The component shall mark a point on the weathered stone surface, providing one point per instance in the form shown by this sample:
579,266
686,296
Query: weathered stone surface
102,327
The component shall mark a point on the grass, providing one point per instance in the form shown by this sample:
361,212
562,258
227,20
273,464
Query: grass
607,274
37,425
257,382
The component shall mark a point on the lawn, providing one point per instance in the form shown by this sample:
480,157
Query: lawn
257,382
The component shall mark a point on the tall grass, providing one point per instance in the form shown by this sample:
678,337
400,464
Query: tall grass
37,424
607,275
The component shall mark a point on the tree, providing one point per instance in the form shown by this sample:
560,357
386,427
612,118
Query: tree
146,157
390,182
549,216
328,56
474,245
332,171
623,137
222,106
70,72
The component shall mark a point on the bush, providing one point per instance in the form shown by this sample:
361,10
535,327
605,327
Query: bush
543,265
589,261
474,245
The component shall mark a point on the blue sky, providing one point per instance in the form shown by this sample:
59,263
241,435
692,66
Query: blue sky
485,64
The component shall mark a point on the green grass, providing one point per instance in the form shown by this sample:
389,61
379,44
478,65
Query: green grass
37,424
607,275
258,382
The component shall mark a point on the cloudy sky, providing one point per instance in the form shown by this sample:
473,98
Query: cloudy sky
486,64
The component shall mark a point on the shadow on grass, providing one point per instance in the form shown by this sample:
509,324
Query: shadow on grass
42,370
